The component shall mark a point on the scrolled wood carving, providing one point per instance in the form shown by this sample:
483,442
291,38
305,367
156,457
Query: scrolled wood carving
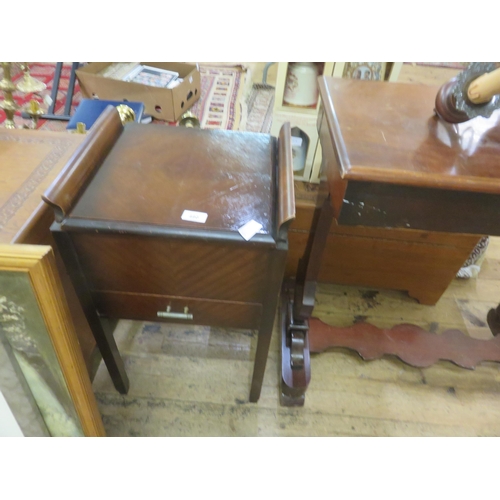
410,343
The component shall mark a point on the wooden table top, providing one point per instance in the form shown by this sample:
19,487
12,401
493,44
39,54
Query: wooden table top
29,162
388,133
153,174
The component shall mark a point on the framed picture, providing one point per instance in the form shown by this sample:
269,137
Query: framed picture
364,70
35,323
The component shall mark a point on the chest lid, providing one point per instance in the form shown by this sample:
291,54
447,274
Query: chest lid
182,177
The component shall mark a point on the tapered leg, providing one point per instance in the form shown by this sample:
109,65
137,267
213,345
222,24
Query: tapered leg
276,271
263,341
102,333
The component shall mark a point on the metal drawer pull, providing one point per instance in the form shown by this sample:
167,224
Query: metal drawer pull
167,314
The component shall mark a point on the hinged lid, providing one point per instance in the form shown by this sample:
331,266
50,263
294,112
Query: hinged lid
154,174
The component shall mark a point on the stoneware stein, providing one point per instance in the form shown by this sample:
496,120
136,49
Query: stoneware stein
301,84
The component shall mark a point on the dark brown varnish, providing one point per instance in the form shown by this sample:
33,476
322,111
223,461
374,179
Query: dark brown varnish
129,252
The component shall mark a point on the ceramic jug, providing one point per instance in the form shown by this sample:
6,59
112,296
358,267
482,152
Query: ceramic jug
301,84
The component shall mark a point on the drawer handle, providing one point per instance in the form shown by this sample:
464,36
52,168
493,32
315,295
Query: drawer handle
168,314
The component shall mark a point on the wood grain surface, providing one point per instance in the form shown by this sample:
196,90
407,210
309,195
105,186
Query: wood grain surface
389,133
77,173
150,177
154,174
30,160
423,263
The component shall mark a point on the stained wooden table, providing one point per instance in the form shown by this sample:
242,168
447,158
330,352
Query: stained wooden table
390,162
148,222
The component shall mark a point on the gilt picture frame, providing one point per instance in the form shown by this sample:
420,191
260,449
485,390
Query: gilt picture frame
36,323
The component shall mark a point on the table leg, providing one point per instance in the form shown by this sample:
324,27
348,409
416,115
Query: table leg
310,263
493,319
296,309
102,334
276,271
295,359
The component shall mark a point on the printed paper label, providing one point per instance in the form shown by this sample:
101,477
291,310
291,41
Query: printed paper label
200,217
250,229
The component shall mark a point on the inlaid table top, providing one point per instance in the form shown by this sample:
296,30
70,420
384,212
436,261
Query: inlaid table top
388,132
29,162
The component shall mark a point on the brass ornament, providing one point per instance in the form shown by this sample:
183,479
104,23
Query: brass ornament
34,110
9,105
80,128
28,84
189,120
126,113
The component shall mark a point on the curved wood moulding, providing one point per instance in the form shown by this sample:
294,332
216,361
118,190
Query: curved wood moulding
67,186
410,343
286,192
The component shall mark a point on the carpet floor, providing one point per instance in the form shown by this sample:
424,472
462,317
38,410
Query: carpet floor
220,105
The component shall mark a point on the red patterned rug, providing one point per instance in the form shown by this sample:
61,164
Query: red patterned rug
218,107
221,95
259,109
45,73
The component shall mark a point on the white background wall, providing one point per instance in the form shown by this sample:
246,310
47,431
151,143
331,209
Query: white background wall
8,424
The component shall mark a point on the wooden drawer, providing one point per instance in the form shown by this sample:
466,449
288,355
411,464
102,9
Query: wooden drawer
422,263
145,307
162,266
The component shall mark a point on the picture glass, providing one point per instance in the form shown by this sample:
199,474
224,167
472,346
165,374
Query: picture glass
22,326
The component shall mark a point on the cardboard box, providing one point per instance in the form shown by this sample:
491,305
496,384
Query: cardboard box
160,103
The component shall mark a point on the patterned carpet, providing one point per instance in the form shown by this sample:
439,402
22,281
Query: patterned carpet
259,103
219,106
45,73
221,93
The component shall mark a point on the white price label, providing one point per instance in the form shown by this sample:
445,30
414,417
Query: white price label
189,215
297,141
251,228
